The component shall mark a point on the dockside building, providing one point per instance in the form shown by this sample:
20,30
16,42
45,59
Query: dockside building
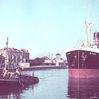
12,57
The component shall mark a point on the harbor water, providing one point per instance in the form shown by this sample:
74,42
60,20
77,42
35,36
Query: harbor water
53,84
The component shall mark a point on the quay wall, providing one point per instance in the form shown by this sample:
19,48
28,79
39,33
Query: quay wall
44,67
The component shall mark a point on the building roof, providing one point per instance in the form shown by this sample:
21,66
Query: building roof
15,50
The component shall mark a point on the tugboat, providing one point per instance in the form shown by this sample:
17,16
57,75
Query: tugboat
83,61
16,78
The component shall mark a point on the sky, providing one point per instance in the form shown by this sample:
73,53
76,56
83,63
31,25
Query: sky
46,27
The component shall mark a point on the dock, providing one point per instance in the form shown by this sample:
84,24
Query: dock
44,67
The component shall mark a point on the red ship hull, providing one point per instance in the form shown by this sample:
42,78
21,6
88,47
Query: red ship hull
83,64
83,73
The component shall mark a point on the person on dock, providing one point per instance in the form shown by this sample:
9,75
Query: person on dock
33,74
18,71
4,71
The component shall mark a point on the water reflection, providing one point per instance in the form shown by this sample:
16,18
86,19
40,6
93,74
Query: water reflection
12,92
83,88
53,84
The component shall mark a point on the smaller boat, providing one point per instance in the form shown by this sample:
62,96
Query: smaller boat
20,80
17,79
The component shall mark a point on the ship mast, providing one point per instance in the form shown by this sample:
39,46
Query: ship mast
5,68
7,43
88,26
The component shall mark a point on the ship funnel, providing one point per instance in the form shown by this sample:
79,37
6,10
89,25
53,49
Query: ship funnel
96,38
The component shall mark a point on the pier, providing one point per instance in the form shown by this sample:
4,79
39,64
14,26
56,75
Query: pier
44,67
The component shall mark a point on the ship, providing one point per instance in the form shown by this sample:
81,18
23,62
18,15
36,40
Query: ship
18,80
83,60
